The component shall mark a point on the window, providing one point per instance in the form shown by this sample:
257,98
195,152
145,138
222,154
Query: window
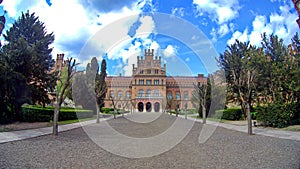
169,95
141,93
148,82
141,82
185,95
149,64
156,93
142,72
127,95
162,81
119,95
156,82
156,71
177,96
148,71
112,95
148,93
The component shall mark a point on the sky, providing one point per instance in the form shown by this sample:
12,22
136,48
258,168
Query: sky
187,34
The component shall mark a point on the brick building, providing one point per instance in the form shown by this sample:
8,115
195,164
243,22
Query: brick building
149,88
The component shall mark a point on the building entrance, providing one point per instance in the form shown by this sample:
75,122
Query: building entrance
156,107
148,107
141,106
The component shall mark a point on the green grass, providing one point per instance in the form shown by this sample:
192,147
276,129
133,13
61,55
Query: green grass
211,119
6,129
72,121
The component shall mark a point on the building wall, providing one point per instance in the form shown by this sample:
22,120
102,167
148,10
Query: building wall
149,84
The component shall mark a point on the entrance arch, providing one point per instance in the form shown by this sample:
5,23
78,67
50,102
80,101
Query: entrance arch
141,106
156,106
148,107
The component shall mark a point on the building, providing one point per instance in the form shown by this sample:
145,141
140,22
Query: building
149,88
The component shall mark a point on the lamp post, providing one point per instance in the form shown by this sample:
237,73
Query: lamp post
297,7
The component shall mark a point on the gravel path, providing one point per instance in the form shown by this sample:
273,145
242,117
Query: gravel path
224,149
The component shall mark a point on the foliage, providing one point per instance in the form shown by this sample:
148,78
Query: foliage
230,114
24,62
106,110
45,114
279,115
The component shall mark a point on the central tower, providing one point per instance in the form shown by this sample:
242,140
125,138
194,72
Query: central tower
149,82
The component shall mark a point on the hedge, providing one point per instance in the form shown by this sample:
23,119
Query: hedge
279,115
229,114
40,114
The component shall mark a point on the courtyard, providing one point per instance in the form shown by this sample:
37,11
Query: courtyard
77,148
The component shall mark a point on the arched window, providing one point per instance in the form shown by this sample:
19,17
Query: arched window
169,95
119,94
141,93
112,95
156,93
148,93
177,95
185,95
127,95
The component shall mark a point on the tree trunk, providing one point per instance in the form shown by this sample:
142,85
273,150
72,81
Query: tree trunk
249,119
97,111
204,114
55,120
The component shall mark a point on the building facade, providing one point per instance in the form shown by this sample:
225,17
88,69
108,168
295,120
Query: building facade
149,89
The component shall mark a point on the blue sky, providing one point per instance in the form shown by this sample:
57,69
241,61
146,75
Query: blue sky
187,34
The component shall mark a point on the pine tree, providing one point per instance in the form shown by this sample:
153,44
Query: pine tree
29,54
25,63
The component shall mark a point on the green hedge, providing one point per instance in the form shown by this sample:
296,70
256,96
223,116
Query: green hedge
106,110
229,114
279,115
40,114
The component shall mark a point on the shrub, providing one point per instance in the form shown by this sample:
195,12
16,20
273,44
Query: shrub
233,114
229,114
40,114
106,110
279,115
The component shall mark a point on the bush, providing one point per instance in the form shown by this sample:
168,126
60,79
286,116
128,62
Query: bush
279,115
229,114
106,110
40,114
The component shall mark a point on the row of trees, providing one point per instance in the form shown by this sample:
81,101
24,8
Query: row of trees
262,76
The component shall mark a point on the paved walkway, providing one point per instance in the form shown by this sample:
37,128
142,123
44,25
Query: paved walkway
24,134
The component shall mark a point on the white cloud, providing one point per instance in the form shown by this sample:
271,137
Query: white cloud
187,59
223,30
220,11
178,11
282,24
243,37
169,51
146,27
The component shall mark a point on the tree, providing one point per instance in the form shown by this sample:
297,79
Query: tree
100,88
240,64
63,87
200,98
26,60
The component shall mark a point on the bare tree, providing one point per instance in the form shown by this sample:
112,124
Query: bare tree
200,98
63,87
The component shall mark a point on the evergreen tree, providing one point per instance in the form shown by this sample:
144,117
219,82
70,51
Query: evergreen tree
29,54
25,63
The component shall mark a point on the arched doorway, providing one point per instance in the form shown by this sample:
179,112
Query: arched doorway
141,106
156,107
148,107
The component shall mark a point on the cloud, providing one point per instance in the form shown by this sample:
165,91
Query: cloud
187,59
223,30
243,37
282,24
220,11
170,51
178,12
